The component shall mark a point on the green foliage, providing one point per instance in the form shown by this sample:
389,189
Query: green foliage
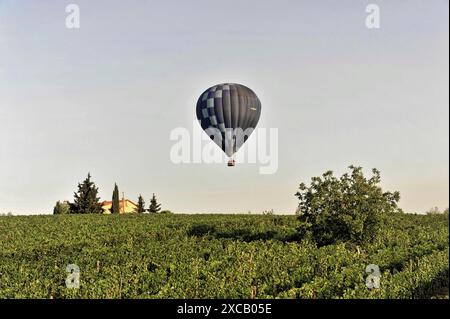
342,209
436,210
140,205
61,208
166,211
154,206
85,199
215,256
115,208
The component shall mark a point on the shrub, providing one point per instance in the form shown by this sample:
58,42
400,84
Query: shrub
433,211
61,208
348,208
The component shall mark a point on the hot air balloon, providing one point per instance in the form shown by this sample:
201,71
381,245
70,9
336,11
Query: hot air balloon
228,113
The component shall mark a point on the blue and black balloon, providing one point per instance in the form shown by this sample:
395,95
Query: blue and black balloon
229,108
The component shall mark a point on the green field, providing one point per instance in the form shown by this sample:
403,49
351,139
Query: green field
215,256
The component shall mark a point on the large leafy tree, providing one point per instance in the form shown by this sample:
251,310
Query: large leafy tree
155,207
140,205
115,208
85,199
349,208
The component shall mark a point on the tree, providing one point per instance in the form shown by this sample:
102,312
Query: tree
346,209
154,206
61,208
85,199
140,205
115,207
433,211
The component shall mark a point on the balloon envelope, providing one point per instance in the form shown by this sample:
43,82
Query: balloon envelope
228,113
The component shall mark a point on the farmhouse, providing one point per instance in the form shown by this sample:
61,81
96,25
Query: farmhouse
126,206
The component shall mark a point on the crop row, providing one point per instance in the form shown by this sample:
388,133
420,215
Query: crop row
207,256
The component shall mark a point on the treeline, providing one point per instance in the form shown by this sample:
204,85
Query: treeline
87,201
435,211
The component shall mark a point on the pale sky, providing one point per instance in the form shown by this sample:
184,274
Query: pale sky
104,98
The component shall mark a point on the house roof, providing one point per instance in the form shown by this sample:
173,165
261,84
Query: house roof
109,202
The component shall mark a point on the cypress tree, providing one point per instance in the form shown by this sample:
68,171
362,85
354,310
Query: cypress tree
154,206
140,205
85,199
115,208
